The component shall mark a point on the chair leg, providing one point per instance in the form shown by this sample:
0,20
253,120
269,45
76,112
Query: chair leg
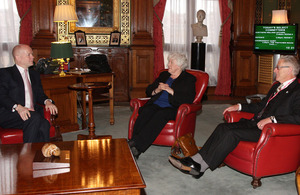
256,182
58,136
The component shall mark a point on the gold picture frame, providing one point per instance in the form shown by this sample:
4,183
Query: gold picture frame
80,38
115,38
99,30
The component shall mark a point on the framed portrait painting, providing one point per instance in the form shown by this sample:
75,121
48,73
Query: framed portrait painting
96,16
115,38
80,38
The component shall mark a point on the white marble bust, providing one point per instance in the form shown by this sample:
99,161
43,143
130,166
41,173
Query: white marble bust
199,29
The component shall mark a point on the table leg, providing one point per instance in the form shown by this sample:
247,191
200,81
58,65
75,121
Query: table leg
111,102
83,114
91,115
91,124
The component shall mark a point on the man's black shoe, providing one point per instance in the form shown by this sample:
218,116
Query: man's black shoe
187,165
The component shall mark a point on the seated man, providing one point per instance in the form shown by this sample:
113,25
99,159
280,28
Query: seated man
281,105
20,93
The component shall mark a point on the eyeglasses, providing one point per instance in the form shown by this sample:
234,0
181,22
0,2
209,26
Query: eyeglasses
280,67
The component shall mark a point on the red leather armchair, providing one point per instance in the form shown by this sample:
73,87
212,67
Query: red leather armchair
15,136
276,152
186,115
298,180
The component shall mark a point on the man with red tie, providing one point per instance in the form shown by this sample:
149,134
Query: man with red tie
21,92
281,105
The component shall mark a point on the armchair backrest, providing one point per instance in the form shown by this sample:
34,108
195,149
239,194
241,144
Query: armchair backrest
201,83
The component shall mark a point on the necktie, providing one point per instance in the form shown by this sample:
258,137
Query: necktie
279,88
28,84
271,97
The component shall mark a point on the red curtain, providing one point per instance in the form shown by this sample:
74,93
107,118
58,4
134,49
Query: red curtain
159,10
224,73
24,10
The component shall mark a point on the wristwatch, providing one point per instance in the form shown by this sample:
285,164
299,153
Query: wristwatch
272,119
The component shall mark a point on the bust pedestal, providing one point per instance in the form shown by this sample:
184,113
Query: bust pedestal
198,56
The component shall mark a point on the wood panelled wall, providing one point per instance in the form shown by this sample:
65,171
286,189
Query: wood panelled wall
141,55
44,29
142,47
244,62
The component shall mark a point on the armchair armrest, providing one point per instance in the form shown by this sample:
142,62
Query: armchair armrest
185,109
48,115
280,129
183,117
235,116
277,130
282,138
51,118
138,102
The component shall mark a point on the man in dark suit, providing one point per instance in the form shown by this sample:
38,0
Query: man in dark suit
281,105
20,93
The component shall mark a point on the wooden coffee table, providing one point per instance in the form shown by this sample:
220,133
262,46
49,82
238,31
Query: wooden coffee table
96,166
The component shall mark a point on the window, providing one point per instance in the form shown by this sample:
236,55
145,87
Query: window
9,34
178,36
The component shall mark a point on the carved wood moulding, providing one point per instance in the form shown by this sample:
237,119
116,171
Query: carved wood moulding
259,12
284,4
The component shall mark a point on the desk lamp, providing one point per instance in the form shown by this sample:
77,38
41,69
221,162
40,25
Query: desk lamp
65,13
63,49
279,17
59,51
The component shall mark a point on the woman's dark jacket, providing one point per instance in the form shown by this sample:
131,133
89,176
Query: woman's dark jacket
183,86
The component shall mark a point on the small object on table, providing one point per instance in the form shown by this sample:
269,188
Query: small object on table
89,87
50,160
50,149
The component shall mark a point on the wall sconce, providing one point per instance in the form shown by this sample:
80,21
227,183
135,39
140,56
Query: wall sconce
279,17
59,51
65,13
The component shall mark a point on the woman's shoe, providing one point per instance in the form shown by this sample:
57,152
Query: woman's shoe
131,143
187,165
135,152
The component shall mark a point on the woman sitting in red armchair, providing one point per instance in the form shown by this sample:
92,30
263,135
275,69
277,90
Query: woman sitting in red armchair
171,89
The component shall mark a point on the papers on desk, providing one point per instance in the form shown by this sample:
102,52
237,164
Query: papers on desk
79,71
45,166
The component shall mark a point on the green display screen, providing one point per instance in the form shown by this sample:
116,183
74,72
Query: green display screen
276,38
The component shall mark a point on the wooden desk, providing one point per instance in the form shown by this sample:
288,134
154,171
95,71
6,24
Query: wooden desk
56,88
100,166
